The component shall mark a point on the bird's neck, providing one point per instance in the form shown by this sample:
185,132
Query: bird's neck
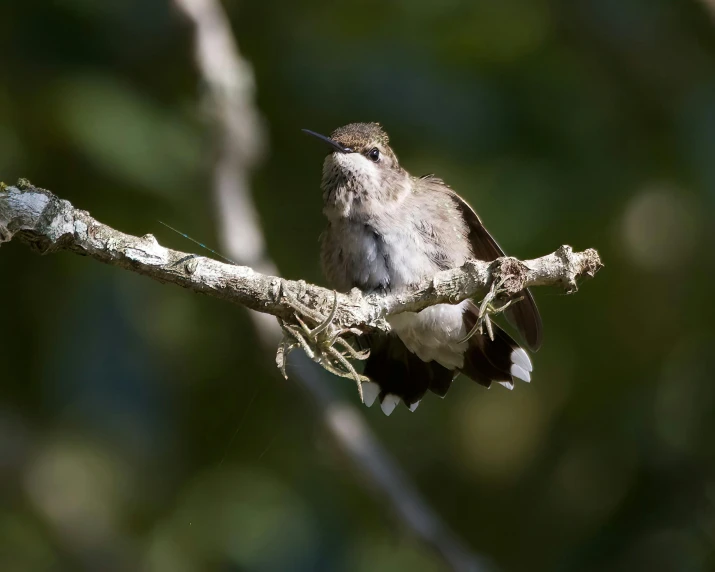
347,198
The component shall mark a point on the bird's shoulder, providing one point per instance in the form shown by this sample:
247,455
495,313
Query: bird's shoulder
430,180
437,212
429,187
433,190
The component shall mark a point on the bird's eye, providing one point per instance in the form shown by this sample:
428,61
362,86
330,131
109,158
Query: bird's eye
374,154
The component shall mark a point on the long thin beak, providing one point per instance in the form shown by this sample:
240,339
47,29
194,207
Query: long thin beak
334,144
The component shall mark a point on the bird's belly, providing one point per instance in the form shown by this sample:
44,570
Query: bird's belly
394,261
366,261
434,333
389,261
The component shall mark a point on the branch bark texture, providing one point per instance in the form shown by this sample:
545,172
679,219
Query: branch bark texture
47,223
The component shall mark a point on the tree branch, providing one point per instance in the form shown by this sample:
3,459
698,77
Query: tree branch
47,223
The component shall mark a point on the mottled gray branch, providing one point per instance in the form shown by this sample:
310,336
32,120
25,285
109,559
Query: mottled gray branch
48,223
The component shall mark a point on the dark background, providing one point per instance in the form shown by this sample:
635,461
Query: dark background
141,427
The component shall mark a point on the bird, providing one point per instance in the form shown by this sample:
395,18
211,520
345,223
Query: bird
388,230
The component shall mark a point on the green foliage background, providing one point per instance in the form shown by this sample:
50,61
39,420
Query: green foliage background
141,428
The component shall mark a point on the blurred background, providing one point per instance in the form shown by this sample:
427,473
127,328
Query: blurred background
143,427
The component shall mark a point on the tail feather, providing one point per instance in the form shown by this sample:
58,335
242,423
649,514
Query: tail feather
401,375
500,359
398,375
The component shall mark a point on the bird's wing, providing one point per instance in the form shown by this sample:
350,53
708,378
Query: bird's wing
523,315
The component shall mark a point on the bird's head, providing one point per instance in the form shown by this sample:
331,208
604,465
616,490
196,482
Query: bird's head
361,173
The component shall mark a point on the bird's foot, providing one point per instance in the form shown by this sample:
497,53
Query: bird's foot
487,308
323,343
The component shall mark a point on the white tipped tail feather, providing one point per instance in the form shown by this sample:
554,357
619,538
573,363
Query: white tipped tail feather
521,373
521,365
520,358
520,368
389,403
370,391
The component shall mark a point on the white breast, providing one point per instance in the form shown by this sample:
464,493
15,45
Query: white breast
365,257
382,258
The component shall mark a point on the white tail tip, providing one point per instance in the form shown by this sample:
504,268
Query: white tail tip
370,391
521,358
389,403
520,372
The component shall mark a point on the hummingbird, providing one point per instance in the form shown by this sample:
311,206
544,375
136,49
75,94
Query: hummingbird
388,230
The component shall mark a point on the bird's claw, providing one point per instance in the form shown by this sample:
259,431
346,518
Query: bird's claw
319,343
488,309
